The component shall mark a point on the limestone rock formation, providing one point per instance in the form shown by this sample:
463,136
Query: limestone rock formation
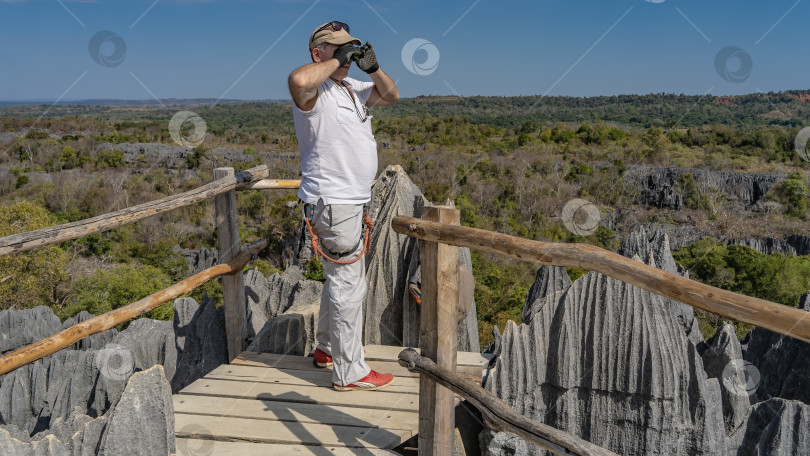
782,362
800,242
389,316
601,353
615,365
652,247
19,328
776,427
200,340
659,186
767,246
282,311
97,341
722,360
548,281
199,260
141,422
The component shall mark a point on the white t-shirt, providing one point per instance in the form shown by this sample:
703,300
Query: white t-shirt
338,151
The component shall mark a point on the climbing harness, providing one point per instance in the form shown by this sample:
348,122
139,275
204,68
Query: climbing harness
309,213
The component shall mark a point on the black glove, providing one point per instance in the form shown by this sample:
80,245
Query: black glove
367,60
347,52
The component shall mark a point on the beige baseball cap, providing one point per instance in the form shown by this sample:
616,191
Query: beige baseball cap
327,33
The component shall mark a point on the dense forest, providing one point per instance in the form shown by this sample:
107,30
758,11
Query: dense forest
509,164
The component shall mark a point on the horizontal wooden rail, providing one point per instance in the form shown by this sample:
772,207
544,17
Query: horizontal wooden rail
266,184
103,322
766,314
497,414
60,233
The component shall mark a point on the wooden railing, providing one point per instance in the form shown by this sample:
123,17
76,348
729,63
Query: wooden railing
222,189
441,236
99,323
497,414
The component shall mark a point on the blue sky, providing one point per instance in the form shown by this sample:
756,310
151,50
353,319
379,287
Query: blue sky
245,49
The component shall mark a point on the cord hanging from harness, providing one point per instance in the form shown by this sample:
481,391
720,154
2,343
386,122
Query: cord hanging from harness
308,214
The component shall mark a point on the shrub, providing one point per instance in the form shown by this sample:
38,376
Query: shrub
740,269
794,193
29,279
104,291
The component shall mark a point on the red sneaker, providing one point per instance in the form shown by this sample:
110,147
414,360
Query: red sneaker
371,381
321,359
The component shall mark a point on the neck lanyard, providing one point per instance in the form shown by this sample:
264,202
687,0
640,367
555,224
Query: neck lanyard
363,117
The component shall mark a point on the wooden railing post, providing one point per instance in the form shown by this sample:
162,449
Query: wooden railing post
233,288
438,335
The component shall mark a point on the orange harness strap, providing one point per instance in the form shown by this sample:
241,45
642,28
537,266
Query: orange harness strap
317,247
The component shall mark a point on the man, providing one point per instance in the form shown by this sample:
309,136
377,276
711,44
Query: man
338,166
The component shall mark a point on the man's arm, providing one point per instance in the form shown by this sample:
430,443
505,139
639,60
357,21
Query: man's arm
385,91
304,82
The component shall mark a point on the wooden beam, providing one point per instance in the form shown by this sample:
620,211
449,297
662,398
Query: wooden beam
60,233
438,335
103,322
267,184
233,287
766,314
497,414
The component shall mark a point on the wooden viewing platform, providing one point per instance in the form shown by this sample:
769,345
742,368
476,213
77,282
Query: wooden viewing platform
267,404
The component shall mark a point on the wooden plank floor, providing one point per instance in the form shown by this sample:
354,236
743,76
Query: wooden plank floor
266,404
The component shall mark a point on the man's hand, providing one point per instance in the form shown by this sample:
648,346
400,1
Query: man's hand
368,59
347,52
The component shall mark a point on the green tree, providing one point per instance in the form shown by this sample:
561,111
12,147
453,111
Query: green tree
30,278
794,193
104,291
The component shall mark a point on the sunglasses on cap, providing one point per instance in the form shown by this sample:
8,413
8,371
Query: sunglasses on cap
336,27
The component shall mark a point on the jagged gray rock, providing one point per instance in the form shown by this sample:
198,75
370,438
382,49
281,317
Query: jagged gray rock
150,342
782,362
566,369
549,280
19,328
659,186
140,423
391,316
720,353
199,260
606,352
468,328
652,246
293,330
172,157
776,427
767,246
388,317
200,340
97,341
800,242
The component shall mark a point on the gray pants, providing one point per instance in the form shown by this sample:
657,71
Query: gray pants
340,320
